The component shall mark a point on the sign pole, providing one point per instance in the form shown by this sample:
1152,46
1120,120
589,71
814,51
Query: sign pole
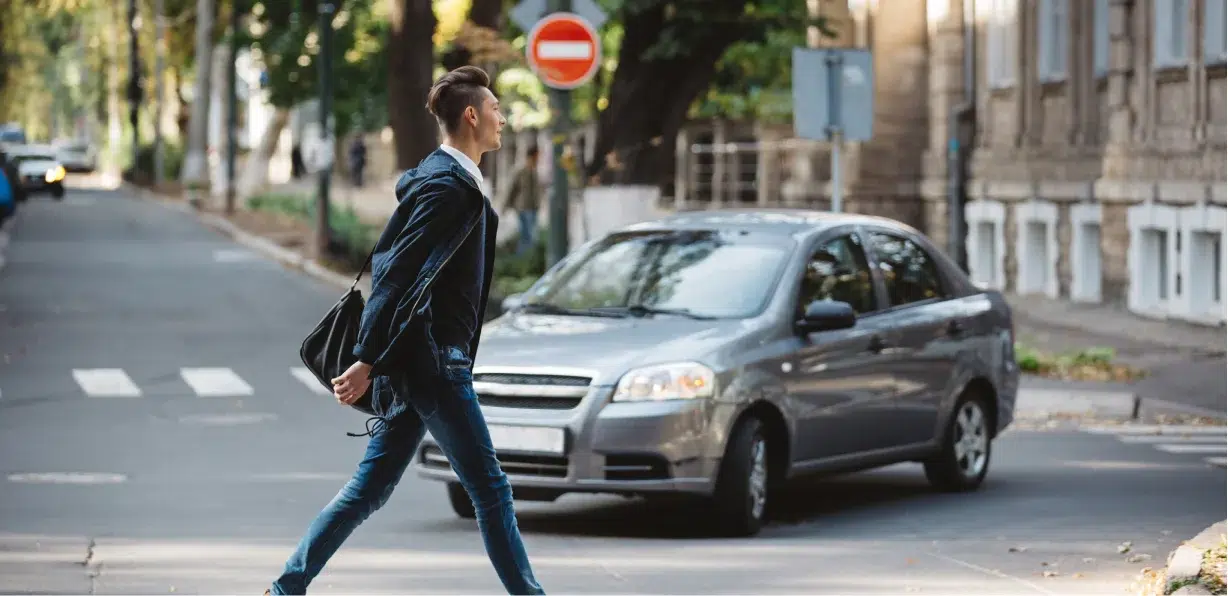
560,100
834,112
323,232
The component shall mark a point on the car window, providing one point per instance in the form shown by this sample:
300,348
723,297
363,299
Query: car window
703,272
838,270
908,272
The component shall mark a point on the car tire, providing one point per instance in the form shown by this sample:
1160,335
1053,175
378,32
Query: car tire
741,497
963,461
462,505
57,191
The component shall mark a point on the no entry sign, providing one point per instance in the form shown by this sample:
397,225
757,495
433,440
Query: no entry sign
564,50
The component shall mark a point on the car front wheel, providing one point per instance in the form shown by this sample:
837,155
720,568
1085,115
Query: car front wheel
57,191
963,461
742,486
462,505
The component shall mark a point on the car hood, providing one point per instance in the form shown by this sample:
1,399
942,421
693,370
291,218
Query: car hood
36,167
606,346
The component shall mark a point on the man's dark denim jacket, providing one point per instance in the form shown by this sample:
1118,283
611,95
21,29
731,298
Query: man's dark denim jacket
439,205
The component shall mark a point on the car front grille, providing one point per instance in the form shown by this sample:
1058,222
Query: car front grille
530,391
544,466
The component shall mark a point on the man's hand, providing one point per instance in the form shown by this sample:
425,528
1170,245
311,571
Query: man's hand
352,383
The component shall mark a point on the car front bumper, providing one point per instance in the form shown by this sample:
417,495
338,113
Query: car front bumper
624,448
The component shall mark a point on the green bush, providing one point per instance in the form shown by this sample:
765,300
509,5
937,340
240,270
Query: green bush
352,238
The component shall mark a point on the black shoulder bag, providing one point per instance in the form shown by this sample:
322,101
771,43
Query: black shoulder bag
328,350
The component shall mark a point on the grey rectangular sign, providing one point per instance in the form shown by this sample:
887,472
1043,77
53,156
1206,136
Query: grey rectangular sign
833,89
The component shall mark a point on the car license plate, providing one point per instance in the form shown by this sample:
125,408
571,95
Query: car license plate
532,439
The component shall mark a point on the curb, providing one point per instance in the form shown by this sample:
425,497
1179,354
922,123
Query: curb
1185,563
1032,403
281,254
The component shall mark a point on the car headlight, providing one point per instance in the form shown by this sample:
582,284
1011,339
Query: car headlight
54,174
662,382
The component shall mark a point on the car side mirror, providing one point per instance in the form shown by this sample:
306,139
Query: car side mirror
827,315
513,302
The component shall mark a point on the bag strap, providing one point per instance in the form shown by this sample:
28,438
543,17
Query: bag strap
364,268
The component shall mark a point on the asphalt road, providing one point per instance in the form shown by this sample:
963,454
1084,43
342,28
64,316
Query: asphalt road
134,482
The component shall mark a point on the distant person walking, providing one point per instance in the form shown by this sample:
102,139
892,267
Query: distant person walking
430,275
525,198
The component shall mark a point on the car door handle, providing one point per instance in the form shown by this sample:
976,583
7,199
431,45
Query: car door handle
955,328
877,344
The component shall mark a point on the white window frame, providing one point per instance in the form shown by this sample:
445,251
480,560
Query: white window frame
1053,39
1001,42
1214,40
1100,37
1170,33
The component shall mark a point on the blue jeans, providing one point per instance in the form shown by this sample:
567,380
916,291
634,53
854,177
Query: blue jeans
449,409
528,225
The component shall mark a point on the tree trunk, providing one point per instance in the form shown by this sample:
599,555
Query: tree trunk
195,164
411,58
636,145
256,171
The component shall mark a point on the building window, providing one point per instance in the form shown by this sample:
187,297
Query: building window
1053,28
1171,33
1002,41
1100,37
1214,44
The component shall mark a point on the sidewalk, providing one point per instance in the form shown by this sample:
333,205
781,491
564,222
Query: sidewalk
1185,363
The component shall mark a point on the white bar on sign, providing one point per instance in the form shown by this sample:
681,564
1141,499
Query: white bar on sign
1192,448
215,382
105,382
305,377
565,50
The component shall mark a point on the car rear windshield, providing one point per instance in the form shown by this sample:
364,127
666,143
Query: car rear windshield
710,273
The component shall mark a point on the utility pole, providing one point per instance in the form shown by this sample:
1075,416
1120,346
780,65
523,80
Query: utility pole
232,106
159,68
323,232
560,105
134,83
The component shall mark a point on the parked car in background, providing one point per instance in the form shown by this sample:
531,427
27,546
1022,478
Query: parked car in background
77,156
38,169
720,354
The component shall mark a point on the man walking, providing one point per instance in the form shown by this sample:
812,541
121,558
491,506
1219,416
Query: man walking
417,352
525,197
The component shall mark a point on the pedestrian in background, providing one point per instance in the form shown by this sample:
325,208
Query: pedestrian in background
525,198
418,339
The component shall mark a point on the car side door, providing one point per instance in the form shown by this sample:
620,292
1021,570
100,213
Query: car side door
929,331
842,382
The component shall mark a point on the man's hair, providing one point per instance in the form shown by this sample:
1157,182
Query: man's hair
455,91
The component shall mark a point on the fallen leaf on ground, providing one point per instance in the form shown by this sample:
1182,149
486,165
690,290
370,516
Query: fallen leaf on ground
1088,560
1050,574
1138,558
1124,547
1017,549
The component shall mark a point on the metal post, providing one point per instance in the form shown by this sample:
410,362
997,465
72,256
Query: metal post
560,103
323,232
834,61
232,102
159,68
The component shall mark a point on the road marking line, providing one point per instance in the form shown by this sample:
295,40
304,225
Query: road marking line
1143,439
105,382
67,478
227,419
1217,461
1153,429
215,382
991,572
305,377
1193,448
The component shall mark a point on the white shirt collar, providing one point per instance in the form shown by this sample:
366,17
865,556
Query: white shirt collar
466,163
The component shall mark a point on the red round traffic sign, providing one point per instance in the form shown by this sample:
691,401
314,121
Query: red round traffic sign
564,50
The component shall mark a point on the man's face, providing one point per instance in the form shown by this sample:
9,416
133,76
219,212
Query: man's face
489,128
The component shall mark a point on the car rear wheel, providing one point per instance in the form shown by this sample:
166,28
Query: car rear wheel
741,493
963,461
460,501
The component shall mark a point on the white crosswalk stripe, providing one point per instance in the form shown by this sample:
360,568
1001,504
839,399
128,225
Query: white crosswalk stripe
1174,439
303,375
215,382
105,382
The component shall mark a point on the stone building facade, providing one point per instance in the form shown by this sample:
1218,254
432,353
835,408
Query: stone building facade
1098,173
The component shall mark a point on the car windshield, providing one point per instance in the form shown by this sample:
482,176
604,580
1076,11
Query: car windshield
32,157
698,273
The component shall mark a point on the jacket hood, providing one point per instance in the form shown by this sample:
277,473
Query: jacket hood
435,165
